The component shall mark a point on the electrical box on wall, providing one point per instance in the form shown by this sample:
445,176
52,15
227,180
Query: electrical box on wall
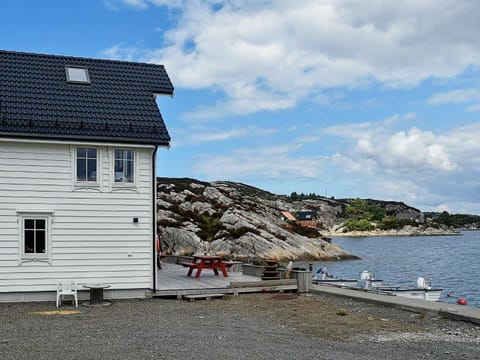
135,220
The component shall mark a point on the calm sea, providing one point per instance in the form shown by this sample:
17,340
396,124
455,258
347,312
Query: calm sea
451,262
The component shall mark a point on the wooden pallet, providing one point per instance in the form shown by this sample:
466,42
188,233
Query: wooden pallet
194,297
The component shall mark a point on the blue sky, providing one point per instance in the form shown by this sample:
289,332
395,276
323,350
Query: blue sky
345,98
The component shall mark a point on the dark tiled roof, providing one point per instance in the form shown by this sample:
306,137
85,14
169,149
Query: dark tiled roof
305,215
118,105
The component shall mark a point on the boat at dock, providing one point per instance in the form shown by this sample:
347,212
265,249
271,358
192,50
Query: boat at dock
366,279
423,291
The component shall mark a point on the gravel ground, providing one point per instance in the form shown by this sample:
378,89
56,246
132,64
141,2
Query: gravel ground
256,326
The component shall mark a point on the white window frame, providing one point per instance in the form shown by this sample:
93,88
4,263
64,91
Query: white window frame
35,215
125,184
86,184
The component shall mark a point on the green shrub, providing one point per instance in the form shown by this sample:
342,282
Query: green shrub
393,223
209,226
259,262
457,220
358,209
378,214
359,225
390,223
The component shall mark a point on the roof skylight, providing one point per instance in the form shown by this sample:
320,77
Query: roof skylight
77,74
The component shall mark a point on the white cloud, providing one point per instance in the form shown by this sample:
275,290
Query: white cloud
139,4
473,108
210,135
412,150
276,162
406,189
119,52
255,55
441,208
421,168
455,97
251,101
354,165
350,131
334,98
409,116
270,55
402,150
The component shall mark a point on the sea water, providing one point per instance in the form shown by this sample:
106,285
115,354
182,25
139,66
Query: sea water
450,262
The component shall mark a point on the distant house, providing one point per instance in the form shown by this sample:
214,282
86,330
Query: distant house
306,218
287,216
78,143
302,218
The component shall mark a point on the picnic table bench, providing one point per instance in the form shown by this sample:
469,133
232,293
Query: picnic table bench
201,262
191,265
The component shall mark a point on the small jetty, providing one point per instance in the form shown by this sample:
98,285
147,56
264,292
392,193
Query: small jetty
448,311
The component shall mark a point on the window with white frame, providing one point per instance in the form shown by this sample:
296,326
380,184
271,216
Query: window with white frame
124,166
35,236
86,164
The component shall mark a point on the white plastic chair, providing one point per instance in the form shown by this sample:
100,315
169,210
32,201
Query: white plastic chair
66,288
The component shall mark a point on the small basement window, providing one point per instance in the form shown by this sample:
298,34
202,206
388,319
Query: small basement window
77,75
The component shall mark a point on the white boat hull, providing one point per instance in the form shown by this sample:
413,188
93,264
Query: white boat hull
345,282
421,294
366,279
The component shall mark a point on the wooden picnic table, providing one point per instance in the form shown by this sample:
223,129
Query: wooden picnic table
201,262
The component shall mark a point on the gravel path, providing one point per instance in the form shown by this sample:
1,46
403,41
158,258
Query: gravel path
257,326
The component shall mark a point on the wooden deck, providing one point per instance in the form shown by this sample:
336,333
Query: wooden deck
172,280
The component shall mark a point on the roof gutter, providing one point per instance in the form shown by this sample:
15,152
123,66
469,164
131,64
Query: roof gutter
70,142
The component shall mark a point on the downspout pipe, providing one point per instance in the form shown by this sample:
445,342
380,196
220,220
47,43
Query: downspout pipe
154,217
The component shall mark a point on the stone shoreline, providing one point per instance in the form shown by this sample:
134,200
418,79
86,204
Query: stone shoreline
402,232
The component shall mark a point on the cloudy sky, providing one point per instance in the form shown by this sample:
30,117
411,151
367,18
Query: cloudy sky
344,98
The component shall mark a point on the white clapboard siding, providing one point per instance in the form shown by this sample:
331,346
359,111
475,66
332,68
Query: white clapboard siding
93,236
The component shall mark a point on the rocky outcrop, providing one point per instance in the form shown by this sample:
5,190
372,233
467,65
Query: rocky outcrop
405,231
240,221
236,221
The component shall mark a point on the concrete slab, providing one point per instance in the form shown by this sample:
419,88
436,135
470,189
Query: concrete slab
450,311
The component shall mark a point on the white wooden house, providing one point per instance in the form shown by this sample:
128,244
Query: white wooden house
78,142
